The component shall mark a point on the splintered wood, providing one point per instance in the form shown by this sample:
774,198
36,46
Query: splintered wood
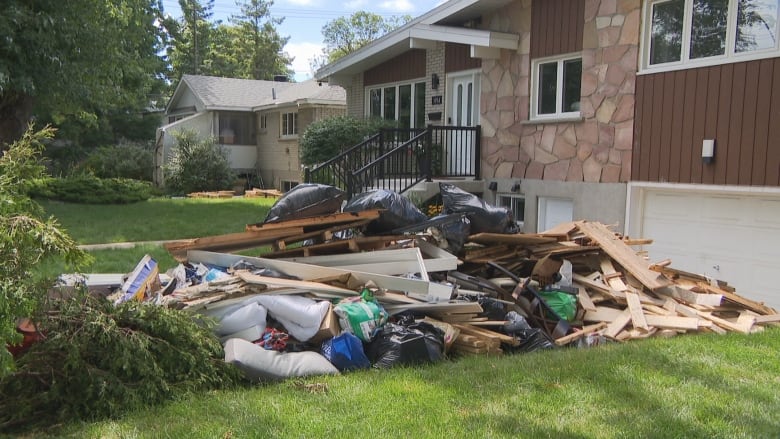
635,299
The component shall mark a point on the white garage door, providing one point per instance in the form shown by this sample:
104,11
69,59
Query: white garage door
735,238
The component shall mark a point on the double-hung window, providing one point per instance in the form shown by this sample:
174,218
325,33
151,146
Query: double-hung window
556,87
689,33
289,124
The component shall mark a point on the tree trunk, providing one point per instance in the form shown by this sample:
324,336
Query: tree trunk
15,114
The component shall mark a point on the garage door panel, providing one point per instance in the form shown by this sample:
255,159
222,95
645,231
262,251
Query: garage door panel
670,206
767,214
722,210
734,238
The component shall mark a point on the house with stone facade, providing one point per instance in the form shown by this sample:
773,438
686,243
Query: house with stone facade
661,117
256,122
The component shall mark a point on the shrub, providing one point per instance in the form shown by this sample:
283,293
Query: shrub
197,165
88,189
26,239
125,160
99,360
326,138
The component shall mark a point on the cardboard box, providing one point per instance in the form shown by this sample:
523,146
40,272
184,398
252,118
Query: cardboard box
328,328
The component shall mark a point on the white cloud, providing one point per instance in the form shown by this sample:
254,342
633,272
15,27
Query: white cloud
303,52
355,4
397,6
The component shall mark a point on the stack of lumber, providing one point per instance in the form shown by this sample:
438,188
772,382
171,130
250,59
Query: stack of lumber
621,295
265,193
213,194
282,234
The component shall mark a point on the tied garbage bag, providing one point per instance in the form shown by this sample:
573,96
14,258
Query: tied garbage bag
563,303
306,200
398,210
345,351
406,342
531,339
361,315
484,217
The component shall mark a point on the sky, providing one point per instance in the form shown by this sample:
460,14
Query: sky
304,19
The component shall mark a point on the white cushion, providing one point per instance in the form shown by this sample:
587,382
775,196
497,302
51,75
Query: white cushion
259,364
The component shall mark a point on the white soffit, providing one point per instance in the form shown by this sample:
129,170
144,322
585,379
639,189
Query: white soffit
426,27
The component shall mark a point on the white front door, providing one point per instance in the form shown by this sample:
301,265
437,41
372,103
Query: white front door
463,112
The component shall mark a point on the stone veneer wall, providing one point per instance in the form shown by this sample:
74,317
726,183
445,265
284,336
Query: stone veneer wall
596,149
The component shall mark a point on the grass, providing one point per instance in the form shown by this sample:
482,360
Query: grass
154,220
158,218
695,386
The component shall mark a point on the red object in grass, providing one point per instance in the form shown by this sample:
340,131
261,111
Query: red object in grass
30,334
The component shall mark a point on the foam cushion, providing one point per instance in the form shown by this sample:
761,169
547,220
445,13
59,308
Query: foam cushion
259,364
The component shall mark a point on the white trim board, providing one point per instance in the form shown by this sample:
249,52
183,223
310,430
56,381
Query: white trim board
418,289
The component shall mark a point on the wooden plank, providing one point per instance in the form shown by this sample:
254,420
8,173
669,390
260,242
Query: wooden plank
752,305
584,299
770,318
228,242
619,296
672,322
635,308
622,254
511,239
602,314
440,307
691,297
611,275
562,230
317,221
273,282
566,339
618,324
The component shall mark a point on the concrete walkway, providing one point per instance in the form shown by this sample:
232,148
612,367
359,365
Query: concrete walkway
121,245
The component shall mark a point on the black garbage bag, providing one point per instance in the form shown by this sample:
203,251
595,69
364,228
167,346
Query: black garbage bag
261,271
484,217
398,210
401,344
456,233
531,339
306,200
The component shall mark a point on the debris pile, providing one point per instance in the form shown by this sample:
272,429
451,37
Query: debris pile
375,285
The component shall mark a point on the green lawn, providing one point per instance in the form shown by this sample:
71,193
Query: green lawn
157,219
694,386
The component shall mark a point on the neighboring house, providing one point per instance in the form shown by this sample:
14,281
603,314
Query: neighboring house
257,122
606,110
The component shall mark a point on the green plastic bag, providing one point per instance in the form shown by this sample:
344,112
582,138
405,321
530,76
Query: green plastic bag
361,315
564,304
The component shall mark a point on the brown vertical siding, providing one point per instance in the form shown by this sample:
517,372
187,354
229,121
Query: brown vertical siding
773,150
409,65
736,104
556,27
457,57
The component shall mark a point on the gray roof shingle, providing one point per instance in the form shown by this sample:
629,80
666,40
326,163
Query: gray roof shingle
216,92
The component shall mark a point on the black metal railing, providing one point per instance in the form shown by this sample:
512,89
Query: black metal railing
397,159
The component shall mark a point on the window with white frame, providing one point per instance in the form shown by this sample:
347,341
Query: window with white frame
516,205
263,122
289,124
403,102
688,33
556,87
